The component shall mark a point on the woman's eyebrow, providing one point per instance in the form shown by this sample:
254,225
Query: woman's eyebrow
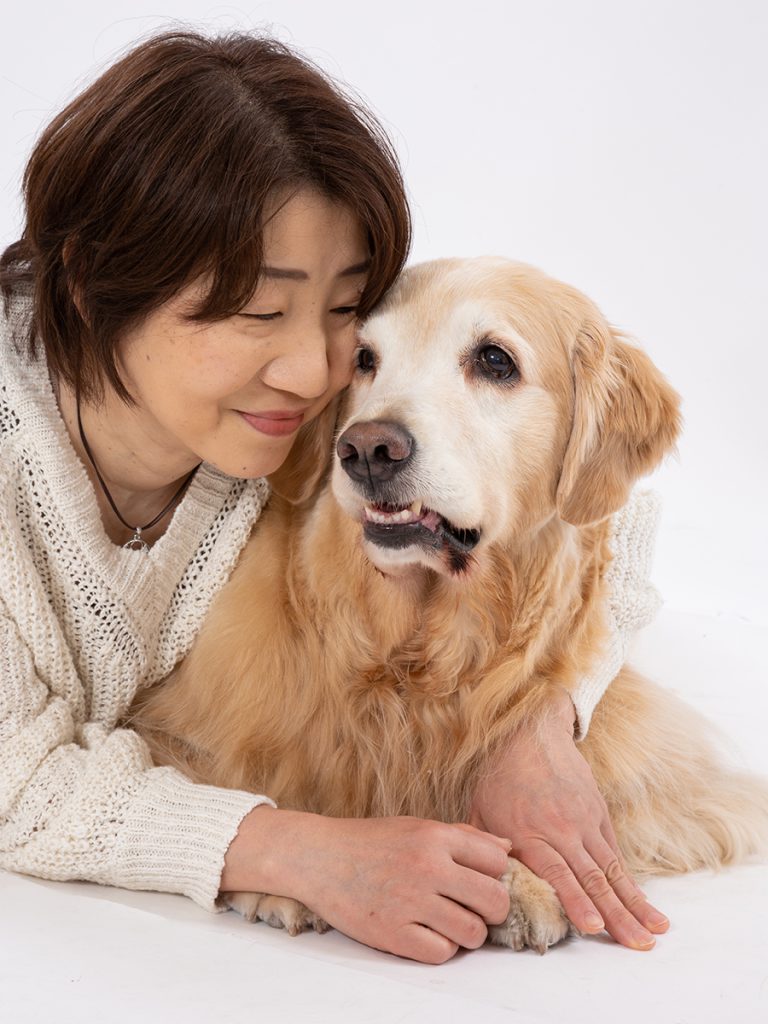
277,273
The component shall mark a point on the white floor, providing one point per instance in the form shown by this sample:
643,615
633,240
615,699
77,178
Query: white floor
77,952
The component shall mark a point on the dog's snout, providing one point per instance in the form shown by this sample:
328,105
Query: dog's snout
375,450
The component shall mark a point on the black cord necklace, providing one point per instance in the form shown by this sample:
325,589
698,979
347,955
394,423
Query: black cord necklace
137,542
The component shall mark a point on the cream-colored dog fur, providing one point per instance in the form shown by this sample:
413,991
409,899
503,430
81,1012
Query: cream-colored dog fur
343,675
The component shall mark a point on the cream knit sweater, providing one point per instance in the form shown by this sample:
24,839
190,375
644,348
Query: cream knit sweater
84,624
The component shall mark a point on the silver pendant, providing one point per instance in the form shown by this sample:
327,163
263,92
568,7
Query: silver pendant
137,542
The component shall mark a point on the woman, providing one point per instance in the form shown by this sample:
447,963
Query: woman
205,225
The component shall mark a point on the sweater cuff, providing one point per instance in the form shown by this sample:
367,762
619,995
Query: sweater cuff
633,601
592,686
176,834
633,598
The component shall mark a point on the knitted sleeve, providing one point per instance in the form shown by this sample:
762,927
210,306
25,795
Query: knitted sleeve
80,801
633,600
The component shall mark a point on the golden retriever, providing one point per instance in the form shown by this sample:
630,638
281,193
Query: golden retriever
400,609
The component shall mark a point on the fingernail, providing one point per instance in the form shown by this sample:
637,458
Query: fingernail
594,922
644,940
657,919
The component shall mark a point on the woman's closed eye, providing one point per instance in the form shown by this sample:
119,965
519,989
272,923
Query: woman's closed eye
261,316
265,317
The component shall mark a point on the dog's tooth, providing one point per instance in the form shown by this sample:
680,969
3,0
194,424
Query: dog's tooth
405,515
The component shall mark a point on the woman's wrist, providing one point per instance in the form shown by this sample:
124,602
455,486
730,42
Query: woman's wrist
561,707
264,855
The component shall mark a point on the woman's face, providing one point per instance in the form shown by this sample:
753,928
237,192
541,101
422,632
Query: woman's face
234,393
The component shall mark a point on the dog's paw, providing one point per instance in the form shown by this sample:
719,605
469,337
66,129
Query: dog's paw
536,917
277,911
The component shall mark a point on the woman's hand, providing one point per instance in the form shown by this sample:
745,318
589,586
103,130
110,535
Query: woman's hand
542,794
420,889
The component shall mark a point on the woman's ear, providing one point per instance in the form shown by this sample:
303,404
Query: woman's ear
309,459
626,419
70,257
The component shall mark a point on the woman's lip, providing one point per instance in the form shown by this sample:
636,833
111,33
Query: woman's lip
276,423
276,414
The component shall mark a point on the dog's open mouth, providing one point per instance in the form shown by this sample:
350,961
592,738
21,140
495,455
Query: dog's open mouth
398,526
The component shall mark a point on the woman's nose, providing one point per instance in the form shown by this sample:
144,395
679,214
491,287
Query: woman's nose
301,367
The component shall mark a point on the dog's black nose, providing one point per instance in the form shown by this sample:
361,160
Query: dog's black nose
374,451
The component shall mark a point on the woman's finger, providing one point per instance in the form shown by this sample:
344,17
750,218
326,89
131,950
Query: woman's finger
454,922
476,830
611,863
609,835
547,863
602,879
479,893
479,850
418,942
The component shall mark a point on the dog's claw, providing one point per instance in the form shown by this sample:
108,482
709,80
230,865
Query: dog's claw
277,912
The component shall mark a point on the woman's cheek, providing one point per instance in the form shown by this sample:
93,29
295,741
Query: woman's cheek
218,374
343,367
344,378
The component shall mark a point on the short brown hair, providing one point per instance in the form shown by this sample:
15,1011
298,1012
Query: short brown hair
159,172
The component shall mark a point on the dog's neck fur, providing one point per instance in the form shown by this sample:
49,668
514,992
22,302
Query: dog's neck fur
511,605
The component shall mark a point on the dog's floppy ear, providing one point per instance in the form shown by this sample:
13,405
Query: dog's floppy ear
626,418
309,459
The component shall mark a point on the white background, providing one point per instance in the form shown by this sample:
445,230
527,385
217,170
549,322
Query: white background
622,147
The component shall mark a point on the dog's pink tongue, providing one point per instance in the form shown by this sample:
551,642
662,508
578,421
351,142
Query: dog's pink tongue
431,520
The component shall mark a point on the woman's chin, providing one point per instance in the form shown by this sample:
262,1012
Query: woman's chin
250,465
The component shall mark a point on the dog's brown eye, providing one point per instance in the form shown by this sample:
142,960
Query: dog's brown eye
496,363
366,360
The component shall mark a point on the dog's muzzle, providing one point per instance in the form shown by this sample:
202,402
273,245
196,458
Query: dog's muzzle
376,455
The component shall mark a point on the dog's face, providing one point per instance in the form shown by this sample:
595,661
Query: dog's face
487,398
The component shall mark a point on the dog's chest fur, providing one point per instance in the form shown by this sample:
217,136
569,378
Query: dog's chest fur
368,695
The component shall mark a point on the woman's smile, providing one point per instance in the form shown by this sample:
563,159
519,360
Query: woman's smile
276,423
